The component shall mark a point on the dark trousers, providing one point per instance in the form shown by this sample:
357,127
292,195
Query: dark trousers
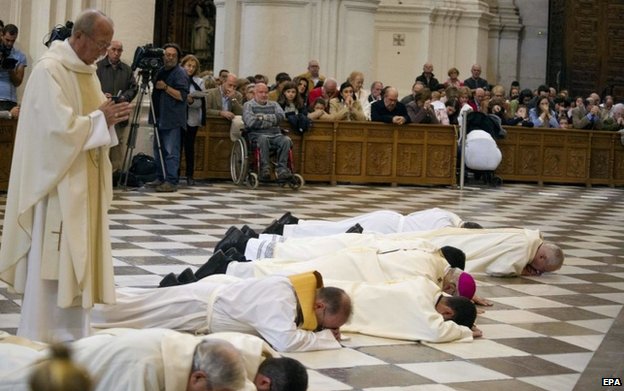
188,146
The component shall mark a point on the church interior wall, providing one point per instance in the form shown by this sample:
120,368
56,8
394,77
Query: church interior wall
533,42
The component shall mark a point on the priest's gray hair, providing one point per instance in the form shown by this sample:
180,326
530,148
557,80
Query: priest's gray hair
85,22
555,255
222,363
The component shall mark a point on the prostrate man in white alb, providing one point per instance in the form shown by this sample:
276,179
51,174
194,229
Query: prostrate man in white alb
495,251
380,221
159,359
293,313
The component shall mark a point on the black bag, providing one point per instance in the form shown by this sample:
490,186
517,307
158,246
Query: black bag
144,168
119,179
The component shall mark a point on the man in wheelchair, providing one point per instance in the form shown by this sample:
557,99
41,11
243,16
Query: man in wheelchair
262,118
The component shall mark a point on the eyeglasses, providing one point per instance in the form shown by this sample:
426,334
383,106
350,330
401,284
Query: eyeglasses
100,45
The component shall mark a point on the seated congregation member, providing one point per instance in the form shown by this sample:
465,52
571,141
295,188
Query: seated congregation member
521,118
346,107
475,81
453,80
376,92
327,91
616,120
302,88
224,101
420,110
417,87
542,116
389,109
587,115
312,75
318,112
439,108
356,79
294,107
291,314
262,118
144,360
280,80
428,79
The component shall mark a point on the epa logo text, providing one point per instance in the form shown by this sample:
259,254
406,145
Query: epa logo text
611,381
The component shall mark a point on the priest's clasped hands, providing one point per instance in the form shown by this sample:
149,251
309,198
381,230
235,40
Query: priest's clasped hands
116,112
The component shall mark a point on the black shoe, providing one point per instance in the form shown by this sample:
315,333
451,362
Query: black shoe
356,229
284,175
187,276
190,181
454,256
249,232
234,238
229,231
265,176
234,255
275,228
169,280
288,218
216,264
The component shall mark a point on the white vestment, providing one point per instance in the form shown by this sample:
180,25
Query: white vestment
402,310
266,307
482,152
408,259
495,251
55,244
125,359
381,221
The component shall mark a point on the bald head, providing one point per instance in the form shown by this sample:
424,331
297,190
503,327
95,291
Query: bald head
91,35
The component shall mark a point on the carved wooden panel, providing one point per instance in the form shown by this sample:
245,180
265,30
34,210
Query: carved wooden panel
438,161
585,41
379,159
410,160
318,158
349,158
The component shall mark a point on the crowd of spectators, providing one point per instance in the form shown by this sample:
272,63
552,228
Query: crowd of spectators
434,102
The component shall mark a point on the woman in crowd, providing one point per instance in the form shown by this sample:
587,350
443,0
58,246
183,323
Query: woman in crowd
356,79
346,107
196,114
420,110
523,99
452,110
542,116
302,87
453,80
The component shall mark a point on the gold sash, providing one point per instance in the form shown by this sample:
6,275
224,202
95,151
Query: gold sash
305,285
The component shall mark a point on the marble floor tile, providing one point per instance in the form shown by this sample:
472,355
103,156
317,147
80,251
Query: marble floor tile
453,371
553,382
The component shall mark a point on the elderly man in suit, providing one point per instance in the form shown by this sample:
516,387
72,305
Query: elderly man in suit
224,101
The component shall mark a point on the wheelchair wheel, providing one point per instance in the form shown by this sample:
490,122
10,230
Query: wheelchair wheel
238,161
252,180
297,182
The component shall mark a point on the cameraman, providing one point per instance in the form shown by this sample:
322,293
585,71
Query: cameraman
12,67
171,87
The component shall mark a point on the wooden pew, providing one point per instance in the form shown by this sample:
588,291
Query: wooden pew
348,152
570,156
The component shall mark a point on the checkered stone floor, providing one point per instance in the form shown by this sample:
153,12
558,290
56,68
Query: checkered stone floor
560,331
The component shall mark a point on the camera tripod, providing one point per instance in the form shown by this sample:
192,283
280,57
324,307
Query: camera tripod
144,75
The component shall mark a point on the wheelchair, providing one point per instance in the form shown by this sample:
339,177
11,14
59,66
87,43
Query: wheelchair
245,165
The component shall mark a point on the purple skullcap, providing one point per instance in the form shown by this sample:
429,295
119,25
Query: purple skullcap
466,285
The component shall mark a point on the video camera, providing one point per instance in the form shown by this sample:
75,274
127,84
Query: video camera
60,32
148,58
6,63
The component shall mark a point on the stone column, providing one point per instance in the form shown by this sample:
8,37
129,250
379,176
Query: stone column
504,41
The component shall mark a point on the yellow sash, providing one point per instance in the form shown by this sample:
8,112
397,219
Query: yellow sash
305,285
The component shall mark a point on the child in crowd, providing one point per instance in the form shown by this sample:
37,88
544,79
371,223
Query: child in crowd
294,107
318,112
521,118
